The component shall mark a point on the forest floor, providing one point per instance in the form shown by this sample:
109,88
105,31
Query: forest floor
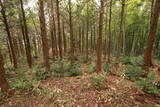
78,91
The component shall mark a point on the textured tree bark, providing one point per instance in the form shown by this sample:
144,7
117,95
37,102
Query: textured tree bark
64,40
106,29
59,30
53,33
99,41
110,32
3,82
44,35
9,51
5,21
83,41
87,31
26,37
152,35
80,39
120,36
71,31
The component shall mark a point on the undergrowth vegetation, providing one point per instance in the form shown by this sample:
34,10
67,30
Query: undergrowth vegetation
150,84
98,81
29,80
64,68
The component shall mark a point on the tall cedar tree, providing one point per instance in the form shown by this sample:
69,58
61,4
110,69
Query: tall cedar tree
71,31
152,35
99,41
120,36
64,40
53,32
110,32
3,82
87,32
59,30
5,21
44,35
26,36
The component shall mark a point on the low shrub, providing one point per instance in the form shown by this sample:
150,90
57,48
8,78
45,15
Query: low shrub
21,84
133,72
66,69
107,66
148,84
125,60
98,82
137,61
92,68
42,74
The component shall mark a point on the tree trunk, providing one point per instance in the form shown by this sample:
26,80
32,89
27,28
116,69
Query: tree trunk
87,33
3,82
59,30
26,37
53,33
44,35
110,32
80,39
152,35
71,31
9,51
99,41
83,41
64,40
120,37
5,21
106,28
21,45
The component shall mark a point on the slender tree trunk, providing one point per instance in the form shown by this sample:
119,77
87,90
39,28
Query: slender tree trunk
35,46
21,45
87,33
91,39
26,40
44,35
9,51
80,39
64,40
3,82
83,41
71,31
152,35
5,21
99,41
120,37
53,33
106,31
110,32
152,7
94,37
59,30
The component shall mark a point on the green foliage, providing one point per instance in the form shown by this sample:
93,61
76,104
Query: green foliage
137,61
148,85
92,68
22,84
125,60
133,72
42,74
66,69
98,82
106,67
